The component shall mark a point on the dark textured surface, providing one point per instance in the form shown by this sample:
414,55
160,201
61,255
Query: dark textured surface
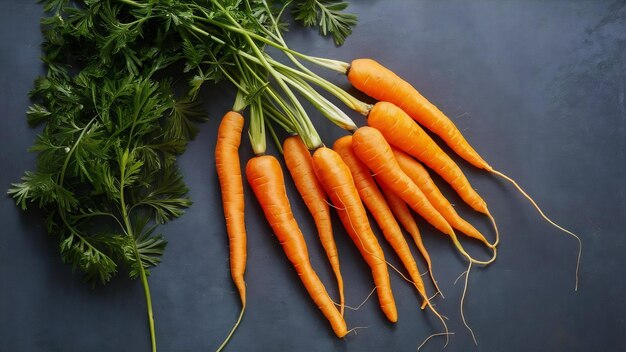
538,88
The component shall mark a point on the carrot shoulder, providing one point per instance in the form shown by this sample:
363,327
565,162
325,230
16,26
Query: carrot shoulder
335,177
300,166
266,180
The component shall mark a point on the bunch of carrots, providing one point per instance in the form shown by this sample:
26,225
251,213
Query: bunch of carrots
380,168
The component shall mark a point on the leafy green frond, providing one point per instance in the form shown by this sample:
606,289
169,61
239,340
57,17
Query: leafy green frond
181,124
144,245
36,114
42,188
329,15
87,254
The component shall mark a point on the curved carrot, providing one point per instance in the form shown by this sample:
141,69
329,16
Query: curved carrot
375,202
402,213
266,180
371,147
381,83
377,81
421,178
231,185
402,132
300,166
335,176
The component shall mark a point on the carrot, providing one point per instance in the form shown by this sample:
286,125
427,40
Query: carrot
335,177
375,202
300,166
266,180
381,83
231,185
377,81
421,178
371,147
380,160
399,130
402,213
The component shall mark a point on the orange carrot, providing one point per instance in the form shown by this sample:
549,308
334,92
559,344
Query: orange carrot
381,83
402,132
266,180
335,176
377,81
300,166
402,213
421,178
231,185
376,204
371,147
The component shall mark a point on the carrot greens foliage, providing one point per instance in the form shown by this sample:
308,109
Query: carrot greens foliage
112,126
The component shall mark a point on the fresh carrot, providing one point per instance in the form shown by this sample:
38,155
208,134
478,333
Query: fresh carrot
300,166
402,132
421,178
379,82
231,185
402,213
266,180
380,160
371,147
375,202
335,177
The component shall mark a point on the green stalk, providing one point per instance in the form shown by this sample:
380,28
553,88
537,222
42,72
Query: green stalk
328,109
256,132
129,232
269,127
334,65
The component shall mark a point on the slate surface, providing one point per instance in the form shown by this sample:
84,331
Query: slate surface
538,88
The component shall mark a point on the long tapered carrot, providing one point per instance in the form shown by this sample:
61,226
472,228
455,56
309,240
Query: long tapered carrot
375,202
300,166
231,185
422,179
402,213
380,160
370,146
402,132
335,177
377,81
266,180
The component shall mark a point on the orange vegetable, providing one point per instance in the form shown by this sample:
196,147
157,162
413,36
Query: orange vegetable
377,81
403,214
300,166
371,148
231,185
266,179
421,178
337,180
375,202
402,132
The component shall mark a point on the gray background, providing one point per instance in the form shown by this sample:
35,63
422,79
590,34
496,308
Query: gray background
536,86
